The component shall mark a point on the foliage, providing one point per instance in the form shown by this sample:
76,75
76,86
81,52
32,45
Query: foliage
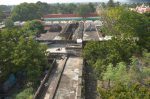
119,91
121,22
25,94
121,62
43,8
24,12
1,15
34,26
9,23
92,7
146,58
100,54
63,8
117,74
120,74
30,11
84,9
20,53
5,8
111,3
131,82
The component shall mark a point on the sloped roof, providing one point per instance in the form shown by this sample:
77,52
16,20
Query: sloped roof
68,15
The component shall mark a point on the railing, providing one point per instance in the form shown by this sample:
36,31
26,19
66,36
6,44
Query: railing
59,78
42,86
79,32
80,83
58,41
65,29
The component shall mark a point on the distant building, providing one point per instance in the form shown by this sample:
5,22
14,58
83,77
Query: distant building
6,14
19,23
69,17
141,9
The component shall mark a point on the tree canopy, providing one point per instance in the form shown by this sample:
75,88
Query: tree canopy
84,9
111,3
121,64
1,15
25,11
123,23
21,54
131,82
30,11
9,23
100,54
35,26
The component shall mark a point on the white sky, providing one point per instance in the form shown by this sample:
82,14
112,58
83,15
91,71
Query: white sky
15,2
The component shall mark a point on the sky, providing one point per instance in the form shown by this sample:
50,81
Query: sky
16,2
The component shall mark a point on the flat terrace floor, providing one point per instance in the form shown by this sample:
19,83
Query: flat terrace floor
90,35
52,35
48,36
57,48
68,86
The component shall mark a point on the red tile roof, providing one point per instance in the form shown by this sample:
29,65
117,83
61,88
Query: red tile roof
148,10
68,15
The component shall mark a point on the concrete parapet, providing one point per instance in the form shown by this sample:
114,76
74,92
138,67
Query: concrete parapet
42,86
80,84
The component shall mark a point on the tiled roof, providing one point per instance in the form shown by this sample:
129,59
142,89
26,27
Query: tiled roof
148,10
68,15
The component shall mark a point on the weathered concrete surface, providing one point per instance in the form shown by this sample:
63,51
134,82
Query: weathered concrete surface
54,79
90,32
68,87
48,36
57,48
90,35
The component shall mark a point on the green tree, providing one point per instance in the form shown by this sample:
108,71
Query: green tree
5,8
85,9
72,8
92,7
43,8
24,12
103,5
19,53
100,54
25,94
123,23
119,91
111,3
117,74
9,23
8,40
1,15
126,81
35,26
30,56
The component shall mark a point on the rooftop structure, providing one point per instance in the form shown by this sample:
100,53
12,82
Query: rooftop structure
141,9
69,17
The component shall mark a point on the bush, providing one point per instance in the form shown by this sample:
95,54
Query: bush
25,94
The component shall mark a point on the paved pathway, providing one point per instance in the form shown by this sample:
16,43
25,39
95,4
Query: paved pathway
68,86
